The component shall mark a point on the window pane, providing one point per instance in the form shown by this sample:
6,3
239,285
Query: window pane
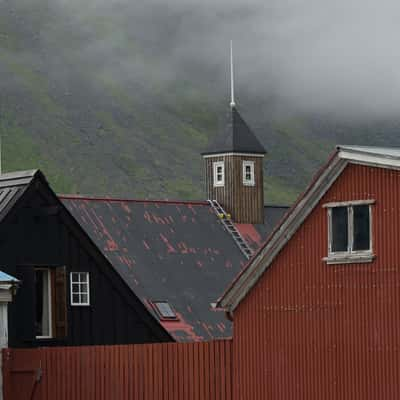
84,298
39,302
75,287
75,298
42,302
84,288
361,228
339,229
74,276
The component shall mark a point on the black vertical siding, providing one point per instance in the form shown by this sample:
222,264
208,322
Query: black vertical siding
32,237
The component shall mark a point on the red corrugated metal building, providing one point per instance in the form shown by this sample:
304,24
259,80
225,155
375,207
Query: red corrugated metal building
319,322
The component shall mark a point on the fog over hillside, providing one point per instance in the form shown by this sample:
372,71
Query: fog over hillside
316,55
119,97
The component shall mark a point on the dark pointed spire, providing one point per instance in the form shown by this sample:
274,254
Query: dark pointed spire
236,137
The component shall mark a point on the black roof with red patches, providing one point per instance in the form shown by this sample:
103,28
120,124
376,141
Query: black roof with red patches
177,252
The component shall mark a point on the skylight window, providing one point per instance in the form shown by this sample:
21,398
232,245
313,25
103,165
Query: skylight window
164,310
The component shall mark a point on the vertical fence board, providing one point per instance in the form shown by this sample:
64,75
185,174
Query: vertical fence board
171,371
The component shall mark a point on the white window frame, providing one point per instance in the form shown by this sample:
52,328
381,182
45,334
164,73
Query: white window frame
79,304
50,298
349,256
251,181
216,165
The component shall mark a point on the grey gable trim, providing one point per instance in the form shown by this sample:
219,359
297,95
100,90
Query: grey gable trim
263,259
369,158
374,157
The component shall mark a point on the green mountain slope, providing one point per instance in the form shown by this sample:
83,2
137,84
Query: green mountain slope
88,100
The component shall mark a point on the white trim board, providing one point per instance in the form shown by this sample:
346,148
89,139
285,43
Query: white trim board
370,159
348,203
294,219
233,154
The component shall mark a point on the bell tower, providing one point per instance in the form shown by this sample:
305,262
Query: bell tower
234,172
234,168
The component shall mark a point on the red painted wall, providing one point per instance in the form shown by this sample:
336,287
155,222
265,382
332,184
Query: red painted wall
309,330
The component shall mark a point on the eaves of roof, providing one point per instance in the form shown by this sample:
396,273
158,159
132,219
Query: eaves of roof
126,200
5,278
12,187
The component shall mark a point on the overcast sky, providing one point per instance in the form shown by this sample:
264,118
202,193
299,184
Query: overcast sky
337,56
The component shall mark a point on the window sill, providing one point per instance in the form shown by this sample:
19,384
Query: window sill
349,258
48,341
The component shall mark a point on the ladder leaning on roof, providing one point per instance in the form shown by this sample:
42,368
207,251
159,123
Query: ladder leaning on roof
231,228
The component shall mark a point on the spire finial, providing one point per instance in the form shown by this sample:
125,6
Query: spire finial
232,79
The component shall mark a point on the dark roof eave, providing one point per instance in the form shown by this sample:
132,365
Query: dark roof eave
210,153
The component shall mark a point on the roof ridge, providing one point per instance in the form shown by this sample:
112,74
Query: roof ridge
30,173
118,199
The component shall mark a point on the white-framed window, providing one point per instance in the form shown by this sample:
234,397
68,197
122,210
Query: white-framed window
43,301
219,173
248,173
80,289
350,231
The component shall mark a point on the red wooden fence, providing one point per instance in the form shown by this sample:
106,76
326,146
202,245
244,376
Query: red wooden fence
172,371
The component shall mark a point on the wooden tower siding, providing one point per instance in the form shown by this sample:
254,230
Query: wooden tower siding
244,203
309,330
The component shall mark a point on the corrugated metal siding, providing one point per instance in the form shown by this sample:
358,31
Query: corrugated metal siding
309,330
244,203
190,371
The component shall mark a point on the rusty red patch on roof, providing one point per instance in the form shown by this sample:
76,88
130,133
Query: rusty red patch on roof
178,327
250,234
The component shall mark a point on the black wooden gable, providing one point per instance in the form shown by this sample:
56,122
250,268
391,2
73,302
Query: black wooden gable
37,231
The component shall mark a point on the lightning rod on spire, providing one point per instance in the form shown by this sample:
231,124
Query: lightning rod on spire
232,79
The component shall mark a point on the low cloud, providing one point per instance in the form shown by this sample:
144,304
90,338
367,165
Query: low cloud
320,56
